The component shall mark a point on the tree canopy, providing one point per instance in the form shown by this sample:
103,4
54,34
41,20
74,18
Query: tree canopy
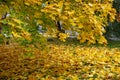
89,18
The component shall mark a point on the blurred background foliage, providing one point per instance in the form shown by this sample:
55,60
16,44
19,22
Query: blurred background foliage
113,29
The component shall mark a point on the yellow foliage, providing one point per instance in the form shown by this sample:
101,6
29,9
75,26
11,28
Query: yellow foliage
64,61
32,2
39,22
63,36
60,62
102,40
26,35
16,35
17,21
3,10
86,17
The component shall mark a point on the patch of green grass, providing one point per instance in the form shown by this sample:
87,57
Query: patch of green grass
114,44
74,41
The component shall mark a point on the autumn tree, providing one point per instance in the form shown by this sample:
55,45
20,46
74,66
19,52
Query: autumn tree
87,17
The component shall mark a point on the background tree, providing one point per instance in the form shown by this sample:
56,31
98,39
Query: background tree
113,29
87,17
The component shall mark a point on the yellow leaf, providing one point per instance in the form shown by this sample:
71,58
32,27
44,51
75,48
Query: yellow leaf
73,24
17,21
75,77
16,35
80,26
102,40
12,24
28,4
39,21
64,17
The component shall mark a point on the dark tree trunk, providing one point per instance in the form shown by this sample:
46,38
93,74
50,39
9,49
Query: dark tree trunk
59,26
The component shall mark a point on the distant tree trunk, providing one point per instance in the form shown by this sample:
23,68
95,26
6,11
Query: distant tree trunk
59,27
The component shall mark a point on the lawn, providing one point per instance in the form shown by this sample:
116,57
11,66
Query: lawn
60,61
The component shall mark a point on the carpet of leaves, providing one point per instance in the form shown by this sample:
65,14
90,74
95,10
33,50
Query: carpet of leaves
59,62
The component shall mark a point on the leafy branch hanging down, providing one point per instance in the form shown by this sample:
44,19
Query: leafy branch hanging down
88,17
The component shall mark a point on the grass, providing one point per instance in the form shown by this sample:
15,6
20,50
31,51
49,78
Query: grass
74,41
68,60
114,44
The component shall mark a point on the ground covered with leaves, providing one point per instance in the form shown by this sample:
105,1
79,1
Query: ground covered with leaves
59,62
